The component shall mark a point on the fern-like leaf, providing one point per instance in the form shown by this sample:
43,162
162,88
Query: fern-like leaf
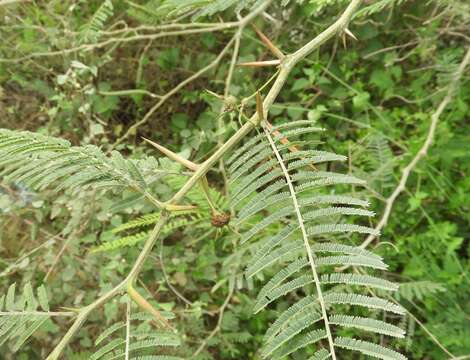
376,7
418,290
141,344
21,316
91,31
376,326
368,348
40,162
200,8
279,193
178,221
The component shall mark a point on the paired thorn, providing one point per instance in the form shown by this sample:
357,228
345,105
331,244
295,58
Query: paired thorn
188,164
230,101
269,44
348,32
220,97
259,107
145,305
173,156
176,208
75,310
185,162
273,48
260,63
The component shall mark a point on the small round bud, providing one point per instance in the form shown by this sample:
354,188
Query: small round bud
220,219
230,103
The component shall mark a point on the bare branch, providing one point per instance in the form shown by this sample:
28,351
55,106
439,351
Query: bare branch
9,2
170,93
141,37
422,152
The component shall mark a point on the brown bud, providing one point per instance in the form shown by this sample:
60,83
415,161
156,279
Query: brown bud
220,219
230,103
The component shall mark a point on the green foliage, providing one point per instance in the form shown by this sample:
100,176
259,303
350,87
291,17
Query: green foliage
368,348
90,32
284,186
375,162
145,13
418,290
40,161
378,6
178,222
21,316
88,71
139,341
202,8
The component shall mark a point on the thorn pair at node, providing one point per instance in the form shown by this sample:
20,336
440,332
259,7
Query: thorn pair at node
271,47
347,32
173,156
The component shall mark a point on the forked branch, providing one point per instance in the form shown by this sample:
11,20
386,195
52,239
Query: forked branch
286,66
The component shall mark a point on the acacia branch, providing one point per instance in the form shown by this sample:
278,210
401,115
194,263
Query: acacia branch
37,313
286,66
423,151
225,106
9,2
128,281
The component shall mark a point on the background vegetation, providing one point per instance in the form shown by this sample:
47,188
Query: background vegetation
109,73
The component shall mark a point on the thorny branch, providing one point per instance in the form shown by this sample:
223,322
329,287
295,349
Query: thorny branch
127,282
286,66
